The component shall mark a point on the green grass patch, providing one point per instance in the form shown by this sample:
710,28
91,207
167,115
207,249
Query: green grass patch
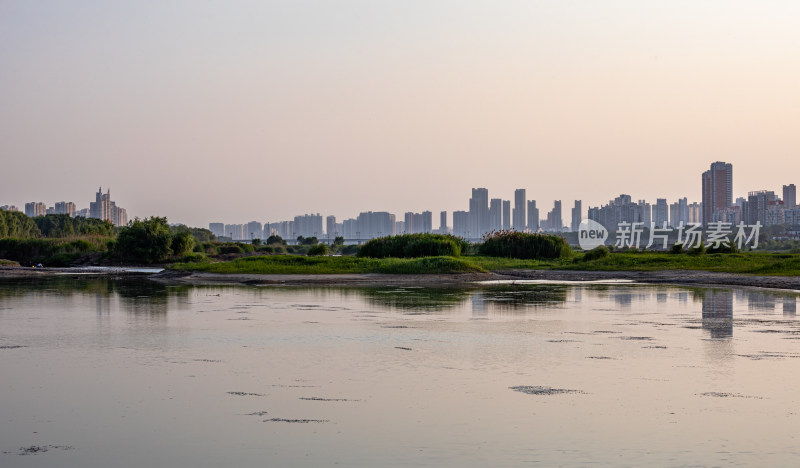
754,263
4,262
295,264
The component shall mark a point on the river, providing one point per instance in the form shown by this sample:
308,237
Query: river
132,373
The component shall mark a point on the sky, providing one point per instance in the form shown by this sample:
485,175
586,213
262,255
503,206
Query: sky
236,111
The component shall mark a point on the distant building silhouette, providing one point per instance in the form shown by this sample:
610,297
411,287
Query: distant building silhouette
104,208
519,210
717,190
533,216
577,214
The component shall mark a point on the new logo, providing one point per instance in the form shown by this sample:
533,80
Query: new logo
591,234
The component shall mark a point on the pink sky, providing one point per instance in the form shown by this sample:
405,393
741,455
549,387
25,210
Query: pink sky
239,111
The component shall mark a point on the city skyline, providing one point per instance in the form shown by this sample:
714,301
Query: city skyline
486,215
195,111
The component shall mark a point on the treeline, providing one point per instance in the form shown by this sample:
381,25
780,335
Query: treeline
17,225
14,224
62,225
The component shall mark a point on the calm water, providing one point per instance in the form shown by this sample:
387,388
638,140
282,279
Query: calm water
131,373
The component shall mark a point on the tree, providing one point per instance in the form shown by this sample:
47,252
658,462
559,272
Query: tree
145,241
182,243
275,239
338,240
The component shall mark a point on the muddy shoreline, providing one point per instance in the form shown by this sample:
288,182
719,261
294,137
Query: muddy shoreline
677,277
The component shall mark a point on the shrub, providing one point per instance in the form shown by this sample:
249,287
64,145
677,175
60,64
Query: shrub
412,246
146,241
700,250
230,249
515,244
596,253
182,244
319,249
676,248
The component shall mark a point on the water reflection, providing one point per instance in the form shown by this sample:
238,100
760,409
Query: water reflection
497,299
718,313
789,306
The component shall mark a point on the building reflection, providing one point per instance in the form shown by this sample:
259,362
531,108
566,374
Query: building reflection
480,308
718,313
789,306
761,301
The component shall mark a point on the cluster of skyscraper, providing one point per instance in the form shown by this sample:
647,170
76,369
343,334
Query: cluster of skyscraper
102,208
486,215
761,206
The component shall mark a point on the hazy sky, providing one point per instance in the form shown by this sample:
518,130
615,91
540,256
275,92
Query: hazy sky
234,111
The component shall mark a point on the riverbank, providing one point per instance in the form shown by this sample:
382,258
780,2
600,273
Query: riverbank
676,277
28,272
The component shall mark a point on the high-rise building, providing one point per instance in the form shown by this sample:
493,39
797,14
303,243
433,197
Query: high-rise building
789,196
236,232
577,214
104,208
554,219
717,190
34,209
443,222
330,226
758,203
519,210
695,213
506,215
533,216
661,212
9,208
67,208
461,224
254,230
479,212
218,229
308,225
376,224
495,214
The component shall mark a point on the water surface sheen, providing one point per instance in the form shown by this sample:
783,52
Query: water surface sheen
97,373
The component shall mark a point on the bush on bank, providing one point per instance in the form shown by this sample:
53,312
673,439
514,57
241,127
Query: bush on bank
515,244
412,246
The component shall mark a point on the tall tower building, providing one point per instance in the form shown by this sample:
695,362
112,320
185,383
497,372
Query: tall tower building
717,190
495,214
661,212
577,211
443,222
789,196
479,212
533,216
519,209
506,215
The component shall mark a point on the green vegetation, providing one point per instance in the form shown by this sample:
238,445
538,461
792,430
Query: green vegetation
596,253
51,252
412,246
294,264
145,241
515,244
319,249
62,225
17,225
4,262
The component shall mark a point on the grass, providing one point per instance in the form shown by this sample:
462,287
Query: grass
754,263
4,262
295,264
